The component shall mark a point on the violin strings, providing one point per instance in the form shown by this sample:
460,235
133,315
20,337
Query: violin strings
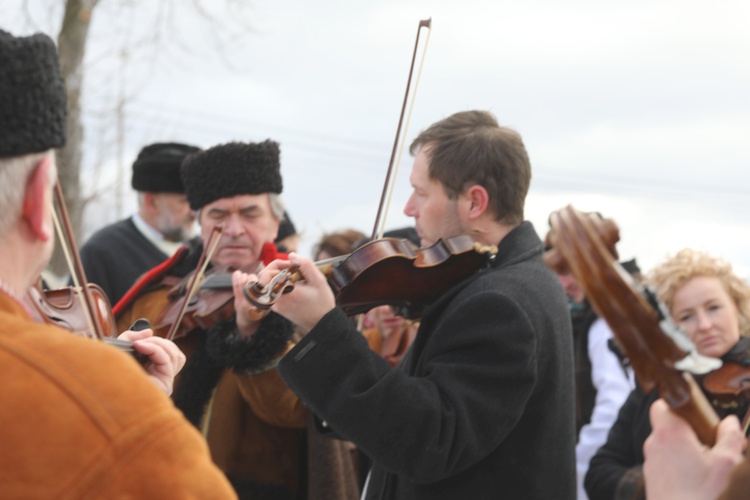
213,243
69,260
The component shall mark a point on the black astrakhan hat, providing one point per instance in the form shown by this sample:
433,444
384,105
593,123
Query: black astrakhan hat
231,169
33,103
157,168
286,228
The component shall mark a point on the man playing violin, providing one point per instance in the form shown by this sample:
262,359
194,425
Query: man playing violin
255,426
481,406
80,419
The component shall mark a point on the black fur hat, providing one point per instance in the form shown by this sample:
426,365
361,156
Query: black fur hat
231,169
286,228
33,104
157,168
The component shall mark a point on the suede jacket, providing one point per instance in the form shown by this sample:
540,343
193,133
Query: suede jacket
255,426
80,419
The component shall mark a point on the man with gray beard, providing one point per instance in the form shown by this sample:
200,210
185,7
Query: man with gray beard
118,254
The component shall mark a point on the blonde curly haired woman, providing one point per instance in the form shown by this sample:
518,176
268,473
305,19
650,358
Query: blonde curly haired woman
712,304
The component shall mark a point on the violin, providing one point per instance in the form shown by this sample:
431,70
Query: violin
729,386
83,310
64,307
389,271
213,302
732,378
661,354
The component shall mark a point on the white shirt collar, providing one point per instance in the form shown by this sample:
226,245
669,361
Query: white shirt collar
167,247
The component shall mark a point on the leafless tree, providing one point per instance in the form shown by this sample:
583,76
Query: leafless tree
161,33
72,46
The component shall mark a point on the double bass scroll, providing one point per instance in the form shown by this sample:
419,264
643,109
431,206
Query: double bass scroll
661,355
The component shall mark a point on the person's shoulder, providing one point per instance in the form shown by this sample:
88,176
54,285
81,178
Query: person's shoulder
116,227
599,331
107,236
154,286
528,272
639,401
149,302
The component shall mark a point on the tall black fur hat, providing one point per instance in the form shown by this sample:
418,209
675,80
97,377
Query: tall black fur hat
157,168
33,104
231,169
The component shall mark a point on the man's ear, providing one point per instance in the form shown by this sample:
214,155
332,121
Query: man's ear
478,201
149,202
35,200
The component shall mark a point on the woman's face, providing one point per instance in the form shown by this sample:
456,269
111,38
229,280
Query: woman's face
704,309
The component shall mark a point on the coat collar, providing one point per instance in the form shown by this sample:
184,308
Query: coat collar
522,243
518,245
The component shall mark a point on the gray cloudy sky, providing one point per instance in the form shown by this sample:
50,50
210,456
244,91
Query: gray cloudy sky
639,109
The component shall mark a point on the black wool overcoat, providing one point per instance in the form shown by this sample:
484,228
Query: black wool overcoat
481,407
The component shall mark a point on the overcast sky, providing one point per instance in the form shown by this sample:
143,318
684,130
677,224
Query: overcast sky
638,109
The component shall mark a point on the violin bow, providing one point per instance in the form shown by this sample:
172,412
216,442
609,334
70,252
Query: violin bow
73,258
208,252
93,315
377,230
661,354
259,295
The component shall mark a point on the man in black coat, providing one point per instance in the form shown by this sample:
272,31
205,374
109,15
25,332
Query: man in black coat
118,254
482,405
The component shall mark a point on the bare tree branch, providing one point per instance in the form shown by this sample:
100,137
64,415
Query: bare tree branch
104,77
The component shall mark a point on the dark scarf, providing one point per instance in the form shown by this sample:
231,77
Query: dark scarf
220,348
582,317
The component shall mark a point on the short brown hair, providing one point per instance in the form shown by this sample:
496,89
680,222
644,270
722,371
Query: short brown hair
337,244
471,148
669,276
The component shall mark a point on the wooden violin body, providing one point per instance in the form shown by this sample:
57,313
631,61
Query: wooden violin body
585,245
63,307
212,303
394,272
731,378
388,271
83,310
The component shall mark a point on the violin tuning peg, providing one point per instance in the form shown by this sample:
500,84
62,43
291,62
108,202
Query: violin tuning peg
609,233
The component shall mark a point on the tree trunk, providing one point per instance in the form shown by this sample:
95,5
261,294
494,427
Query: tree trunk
72,46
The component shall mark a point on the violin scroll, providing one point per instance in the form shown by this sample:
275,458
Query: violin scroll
264,297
